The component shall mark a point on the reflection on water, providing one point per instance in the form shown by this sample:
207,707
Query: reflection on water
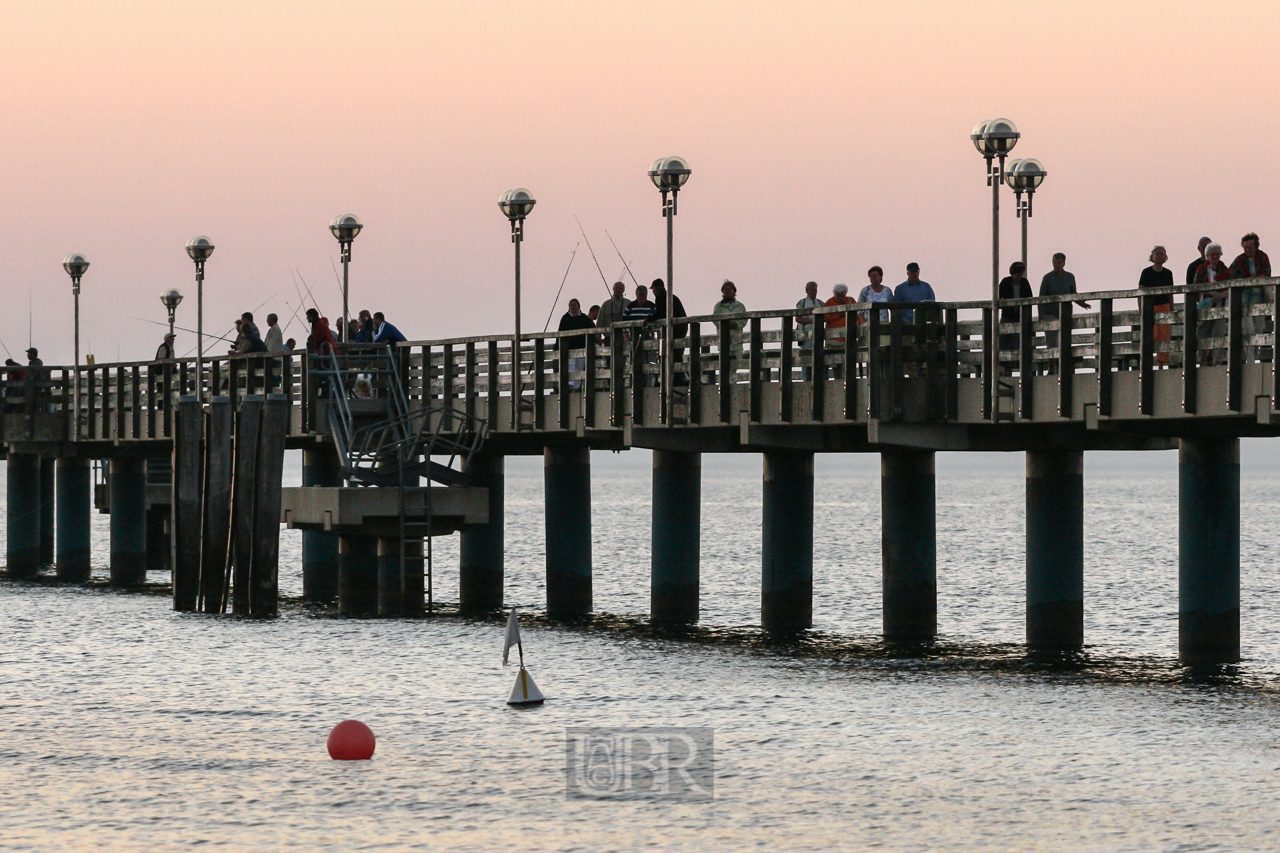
127,726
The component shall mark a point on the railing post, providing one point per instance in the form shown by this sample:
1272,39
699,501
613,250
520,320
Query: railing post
695,373
562,384
589,382
818,368
469,389
784,371
1105,324
638,378
1026,360
493,389
951,348
1146,354
896,366
850,371
617,376
726,353
755,370
1235,349
1066,364
989,367
875,373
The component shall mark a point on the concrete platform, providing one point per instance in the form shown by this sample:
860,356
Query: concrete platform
375,511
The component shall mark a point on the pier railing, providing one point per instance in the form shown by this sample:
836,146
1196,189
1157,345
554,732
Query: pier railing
1208,352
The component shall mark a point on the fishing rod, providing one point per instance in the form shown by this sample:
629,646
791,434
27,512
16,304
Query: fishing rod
6,348
624,260
556,301
314,304
181,328
223,337
607,289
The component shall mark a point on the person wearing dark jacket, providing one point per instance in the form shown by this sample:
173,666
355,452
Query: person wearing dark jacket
1013,286
575,319
1195,265
660,314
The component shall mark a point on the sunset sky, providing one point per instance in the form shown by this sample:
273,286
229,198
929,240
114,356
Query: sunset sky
824,137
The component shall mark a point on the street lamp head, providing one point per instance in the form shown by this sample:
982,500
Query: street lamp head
669,173
995,137
75,264
199,248
1025,175
345,227
516,204
170,298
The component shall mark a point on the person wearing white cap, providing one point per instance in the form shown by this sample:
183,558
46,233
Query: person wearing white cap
164,352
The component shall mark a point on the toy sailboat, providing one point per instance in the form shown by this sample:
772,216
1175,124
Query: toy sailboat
524,691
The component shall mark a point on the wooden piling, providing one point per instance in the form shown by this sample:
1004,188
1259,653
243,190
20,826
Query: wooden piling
215,522
264,571
187,503
243,482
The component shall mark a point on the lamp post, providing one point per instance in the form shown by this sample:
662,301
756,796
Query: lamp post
994,139
345,227
170,299
516,205
669,174
1024,176
75,264
199,248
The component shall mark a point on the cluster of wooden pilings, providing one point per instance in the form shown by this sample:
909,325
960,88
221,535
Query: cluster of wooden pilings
222,541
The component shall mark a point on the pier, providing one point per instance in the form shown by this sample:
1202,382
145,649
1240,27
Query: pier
415,450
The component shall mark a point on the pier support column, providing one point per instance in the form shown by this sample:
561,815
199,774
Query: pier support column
158,547
675,536
319,549
786,589
23,515
567,490
481,556
909,545
397,598
1055,549
75,505
128,521
358,575
47,509
1209,551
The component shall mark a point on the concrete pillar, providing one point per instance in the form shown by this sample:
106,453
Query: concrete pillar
567,487
128,521
1055,549
399,596
786,590
48,501
187,503
676,529
319,549
215,528
358,575
909,546
1209,551
481,563
23,515
75,506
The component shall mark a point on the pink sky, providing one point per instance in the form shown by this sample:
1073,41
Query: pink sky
823,137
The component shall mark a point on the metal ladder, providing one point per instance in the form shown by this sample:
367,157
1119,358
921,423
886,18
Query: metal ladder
399,446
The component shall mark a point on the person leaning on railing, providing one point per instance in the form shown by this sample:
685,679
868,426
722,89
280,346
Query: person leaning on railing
729,304
804,322
1013,286
1211,271
1253,263
1157,275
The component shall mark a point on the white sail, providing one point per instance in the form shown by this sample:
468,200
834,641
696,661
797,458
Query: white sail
512,636
524,691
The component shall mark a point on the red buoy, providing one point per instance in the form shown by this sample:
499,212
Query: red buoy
351,740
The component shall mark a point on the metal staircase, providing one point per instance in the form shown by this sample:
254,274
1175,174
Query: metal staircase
383,442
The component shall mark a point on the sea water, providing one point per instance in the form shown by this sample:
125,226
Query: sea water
126,726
